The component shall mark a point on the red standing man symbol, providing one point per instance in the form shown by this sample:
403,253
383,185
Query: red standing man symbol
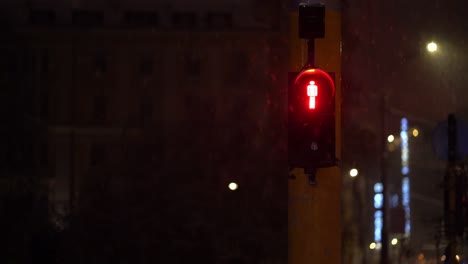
312,92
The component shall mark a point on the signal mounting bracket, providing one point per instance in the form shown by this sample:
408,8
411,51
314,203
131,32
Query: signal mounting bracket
311,26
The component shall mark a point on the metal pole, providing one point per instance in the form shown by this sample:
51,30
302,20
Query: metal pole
452,182
311,53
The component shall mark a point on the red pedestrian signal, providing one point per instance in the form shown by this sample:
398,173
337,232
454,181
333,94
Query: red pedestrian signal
311,119
316,89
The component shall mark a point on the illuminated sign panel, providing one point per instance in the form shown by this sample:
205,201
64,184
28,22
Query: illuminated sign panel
405,185
378,214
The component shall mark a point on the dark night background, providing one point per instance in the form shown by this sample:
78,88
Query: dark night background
123,123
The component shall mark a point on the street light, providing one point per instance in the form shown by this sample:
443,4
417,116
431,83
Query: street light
431,47
233,186
353,172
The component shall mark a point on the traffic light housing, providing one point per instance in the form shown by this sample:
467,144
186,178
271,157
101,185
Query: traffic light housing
311,21
311,119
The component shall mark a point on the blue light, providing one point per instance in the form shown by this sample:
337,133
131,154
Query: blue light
378,187
404,142
378,214
404,124
405,185
405,200
407,227
378,226
394,201
404,135
405,192
377,235
378,200
404,147
405,170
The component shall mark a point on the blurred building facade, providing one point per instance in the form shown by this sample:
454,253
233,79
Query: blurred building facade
164,104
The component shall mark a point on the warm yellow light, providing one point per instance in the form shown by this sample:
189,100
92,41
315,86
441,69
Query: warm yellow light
421,256
372,245
390,138
415,132
353,173
233,186
431,46
394,241
457,257
443,258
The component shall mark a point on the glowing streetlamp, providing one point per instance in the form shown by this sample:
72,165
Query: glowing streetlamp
353,172
431,47
233,186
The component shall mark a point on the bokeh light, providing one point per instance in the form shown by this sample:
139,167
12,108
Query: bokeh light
233,186
353,172
431,46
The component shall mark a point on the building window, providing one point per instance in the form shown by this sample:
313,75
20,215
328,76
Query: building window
149,154
147,65
87,18
41,17
218,20
100,63
184,20
139,156
100,108
44,103
97,154
141,18
45,62
43,154
156,154
192,66
236,71
146,109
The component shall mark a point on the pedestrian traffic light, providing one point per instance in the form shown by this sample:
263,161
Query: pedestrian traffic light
311,119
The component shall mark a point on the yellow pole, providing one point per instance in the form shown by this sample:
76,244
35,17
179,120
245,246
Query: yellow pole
314,211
